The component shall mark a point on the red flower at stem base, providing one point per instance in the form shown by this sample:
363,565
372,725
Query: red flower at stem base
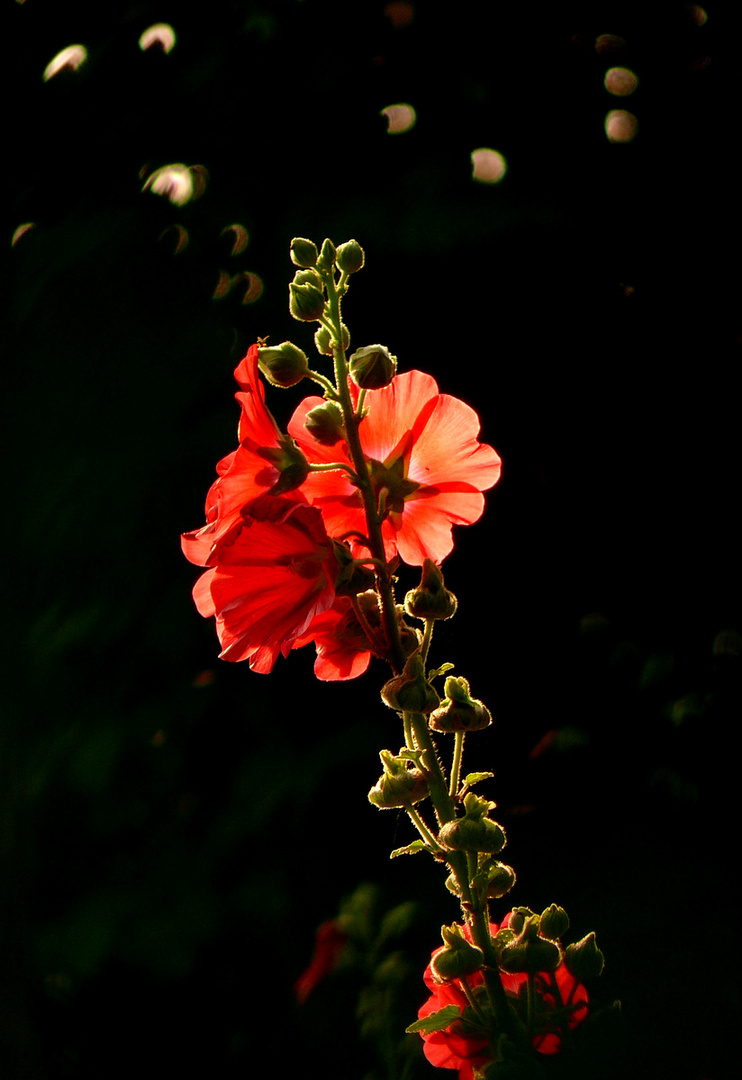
465,1045
427,468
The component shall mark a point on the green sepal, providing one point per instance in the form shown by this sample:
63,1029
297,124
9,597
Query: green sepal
437,1021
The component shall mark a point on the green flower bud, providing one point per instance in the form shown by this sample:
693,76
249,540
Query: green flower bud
401,783
459,711
431,599
452,885
372,367
327,255
458,956
410,691
290,462
325,423
554,922
530,952
303,252
350,257
584,959
326,343
474,831
308,277
518,917
306,302
353,577
496,877
283,365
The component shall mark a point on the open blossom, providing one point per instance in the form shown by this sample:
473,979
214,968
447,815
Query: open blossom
464,1045
427,468
274,572
343,650
264,462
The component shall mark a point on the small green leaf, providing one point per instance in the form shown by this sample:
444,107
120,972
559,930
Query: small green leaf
411,755
410,849
437,1021
439,671
475,777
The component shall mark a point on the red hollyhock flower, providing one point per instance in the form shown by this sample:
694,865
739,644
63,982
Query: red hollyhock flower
247,472
274,571
422,450
461,1046
343,650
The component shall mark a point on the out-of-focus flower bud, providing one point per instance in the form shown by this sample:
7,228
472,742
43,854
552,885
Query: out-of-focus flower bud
459,711
283,365
350,257
290,462
303,252
431,599
353,577
584,959
530,952
410,691
401,783
325,423
327,255
474,831
554,922
306,302
372,367
458,956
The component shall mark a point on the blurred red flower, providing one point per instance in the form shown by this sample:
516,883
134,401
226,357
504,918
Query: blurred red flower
425,462
329,942
464,1045
273,571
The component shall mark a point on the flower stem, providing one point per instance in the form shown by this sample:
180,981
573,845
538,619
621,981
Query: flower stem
458,748
363,478
423,829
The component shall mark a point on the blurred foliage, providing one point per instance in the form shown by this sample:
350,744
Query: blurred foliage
172,828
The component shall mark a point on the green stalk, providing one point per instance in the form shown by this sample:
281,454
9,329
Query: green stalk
458,748
363,480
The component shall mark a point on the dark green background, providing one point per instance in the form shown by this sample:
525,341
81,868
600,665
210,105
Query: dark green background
174,828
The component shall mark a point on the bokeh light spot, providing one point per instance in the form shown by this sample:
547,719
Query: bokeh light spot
488,166
609,43
161,34
178,183
240,237
71,57
697,14
620,81
620,126
181,237
399,118
254,290
21,231
223,285
399,13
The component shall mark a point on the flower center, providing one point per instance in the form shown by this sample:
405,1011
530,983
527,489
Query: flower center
391,478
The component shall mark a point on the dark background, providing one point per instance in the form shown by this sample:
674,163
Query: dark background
174,827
